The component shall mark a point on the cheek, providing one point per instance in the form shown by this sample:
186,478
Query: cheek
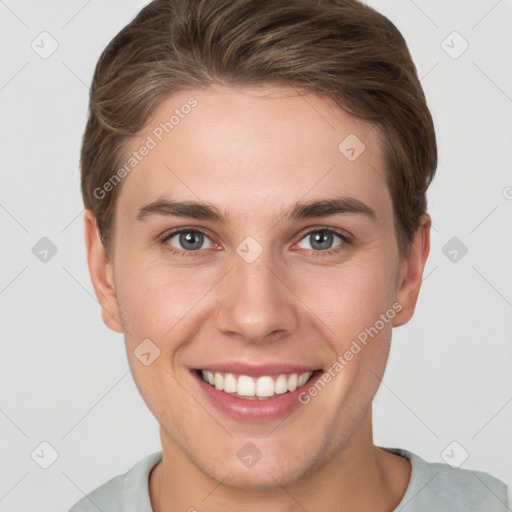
157,304
349,298
156,301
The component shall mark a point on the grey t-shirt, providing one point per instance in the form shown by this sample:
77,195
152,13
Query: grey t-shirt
433,487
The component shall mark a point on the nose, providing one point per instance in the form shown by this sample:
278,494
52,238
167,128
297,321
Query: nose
256,302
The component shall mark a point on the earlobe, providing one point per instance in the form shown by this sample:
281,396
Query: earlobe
411,271
100,270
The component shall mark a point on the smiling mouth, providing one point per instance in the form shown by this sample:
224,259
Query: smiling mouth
259,388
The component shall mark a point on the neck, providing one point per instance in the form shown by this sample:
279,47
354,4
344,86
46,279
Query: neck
360,476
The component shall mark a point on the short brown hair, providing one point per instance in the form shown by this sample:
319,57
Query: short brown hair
338,49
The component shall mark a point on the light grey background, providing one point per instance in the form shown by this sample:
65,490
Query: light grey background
64,375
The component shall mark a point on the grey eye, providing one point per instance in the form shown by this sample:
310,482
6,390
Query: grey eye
321,240
189,240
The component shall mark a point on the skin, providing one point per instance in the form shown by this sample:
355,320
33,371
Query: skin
254,153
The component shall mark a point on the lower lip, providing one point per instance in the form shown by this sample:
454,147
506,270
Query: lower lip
253,409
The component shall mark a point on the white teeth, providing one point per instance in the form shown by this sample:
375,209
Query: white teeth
246,386
292,382
208,377
262,387
265,386
281,385
219,381
302,380
229,383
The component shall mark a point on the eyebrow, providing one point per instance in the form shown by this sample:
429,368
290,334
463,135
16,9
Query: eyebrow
301,210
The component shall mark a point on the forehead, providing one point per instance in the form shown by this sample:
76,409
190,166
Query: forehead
255,148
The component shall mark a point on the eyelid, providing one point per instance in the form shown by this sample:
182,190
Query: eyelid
163,240
346,237
186,229
346,242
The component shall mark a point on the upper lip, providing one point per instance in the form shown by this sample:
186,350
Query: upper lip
257,370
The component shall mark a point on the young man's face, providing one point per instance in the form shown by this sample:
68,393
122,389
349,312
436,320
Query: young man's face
260,293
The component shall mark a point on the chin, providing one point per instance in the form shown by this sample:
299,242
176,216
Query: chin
268,470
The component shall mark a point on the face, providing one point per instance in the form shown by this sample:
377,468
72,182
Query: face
251,250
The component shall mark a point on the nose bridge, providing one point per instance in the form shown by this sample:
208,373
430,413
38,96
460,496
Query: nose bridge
255,303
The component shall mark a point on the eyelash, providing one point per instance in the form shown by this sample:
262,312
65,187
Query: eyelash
173,250
163,241
345,240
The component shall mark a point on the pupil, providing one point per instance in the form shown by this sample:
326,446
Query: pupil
191,240
321,240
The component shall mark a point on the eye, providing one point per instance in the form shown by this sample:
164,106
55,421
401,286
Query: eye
322,240
188,240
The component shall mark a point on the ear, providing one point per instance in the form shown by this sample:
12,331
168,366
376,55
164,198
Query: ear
411,271
100,269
